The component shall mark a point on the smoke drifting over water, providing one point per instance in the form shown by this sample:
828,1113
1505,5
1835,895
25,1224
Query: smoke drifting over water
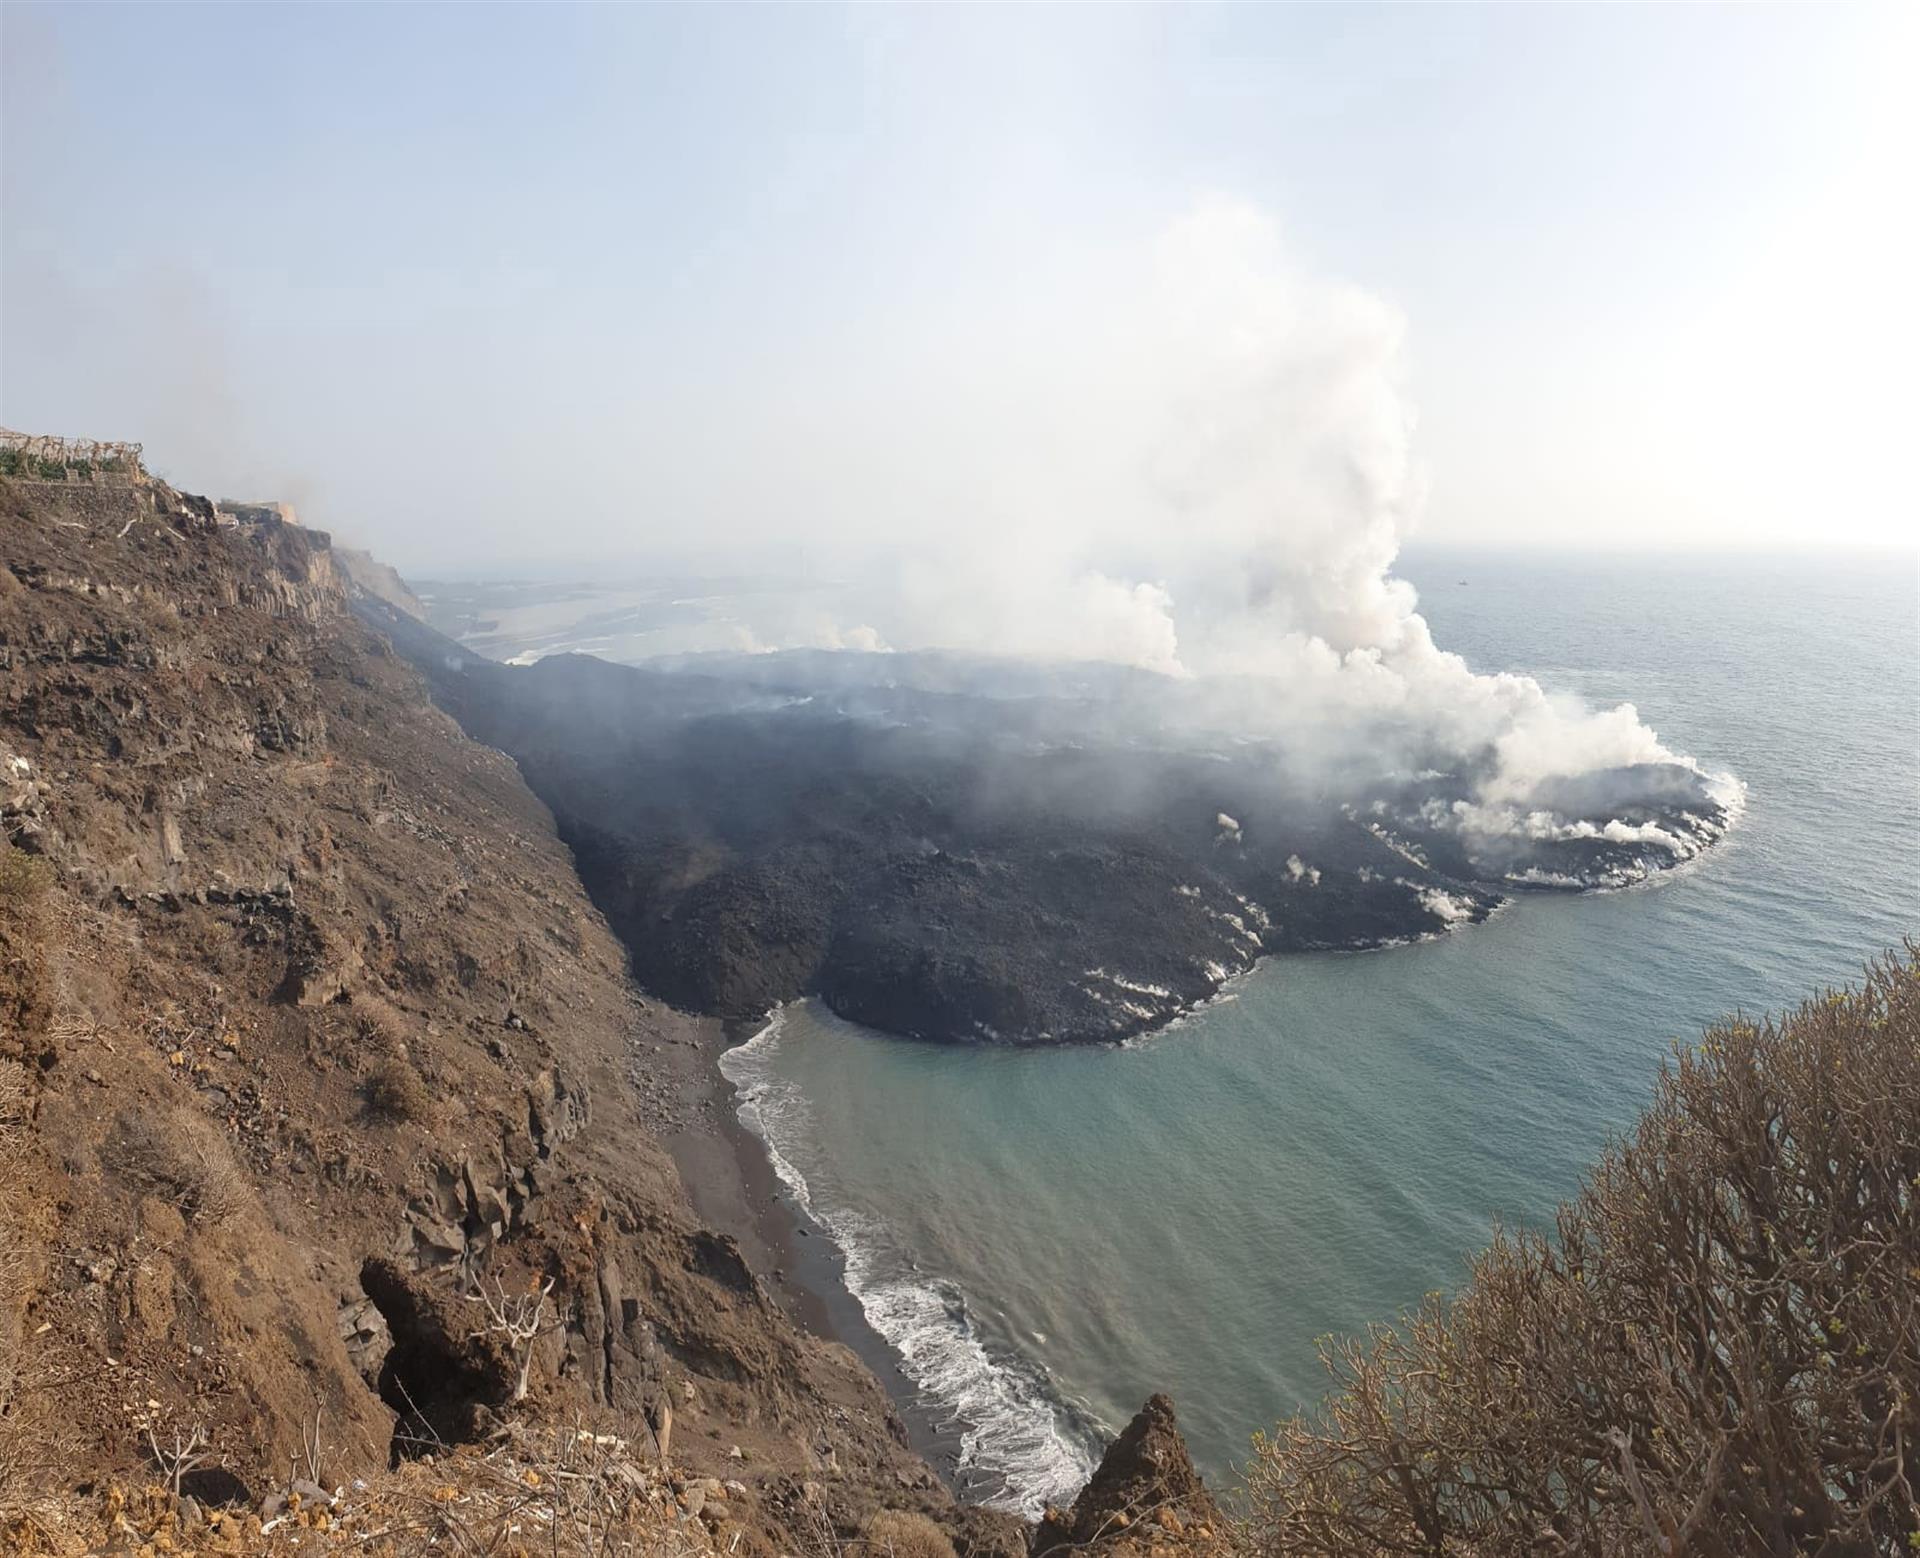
1153,707
1229,476
1162,669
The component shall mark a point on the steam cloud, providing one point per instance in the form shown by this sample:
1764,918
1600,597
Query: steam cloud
1232,482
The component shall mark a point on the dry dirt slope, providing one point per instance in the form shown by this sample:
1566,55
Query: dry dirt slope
306,1027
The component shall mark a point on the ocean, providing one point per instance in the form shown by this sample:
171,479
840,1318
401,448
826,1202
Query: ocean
1046,1237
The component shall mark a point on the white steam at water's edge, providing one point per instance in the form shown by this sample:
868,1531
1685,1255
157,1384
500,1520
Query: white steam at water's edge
1228,477
1013,1443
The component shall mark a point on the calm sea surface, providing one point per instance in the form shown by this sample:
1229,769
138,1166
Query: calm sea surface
1049,1236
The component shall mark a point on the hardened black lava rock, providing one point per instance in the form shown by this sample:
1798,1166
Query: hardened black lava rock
969,851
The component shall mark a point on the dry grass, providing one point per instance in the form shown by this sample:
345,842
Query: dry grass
26,1513
566,1493
23,877
899,1533
16,1104
34,1451
549,1493
22,1450
71,1031
12,1279
378,1026
182,1156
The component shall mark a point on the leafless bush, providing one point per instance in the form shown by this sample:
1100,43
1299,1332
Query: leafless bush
521,1319
899,1533
1717,1356
311,1461
181,1452
71,1030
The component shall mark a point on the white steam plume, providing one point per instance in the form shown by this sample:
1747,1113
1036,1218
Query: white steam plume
1231,479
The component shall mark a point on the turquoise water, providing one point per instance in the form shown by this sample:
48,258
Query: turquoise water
1049,1236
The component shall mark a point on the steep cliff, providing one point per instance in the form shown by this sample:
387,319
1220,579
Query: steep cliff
318,1071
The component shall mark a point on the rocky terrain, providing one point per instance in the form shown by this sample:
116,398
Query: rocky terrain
338,1203
327,1108
971,851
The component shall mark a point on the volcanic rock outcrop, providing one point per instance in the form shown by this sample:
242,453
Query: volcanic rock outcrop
960,850
1144,1497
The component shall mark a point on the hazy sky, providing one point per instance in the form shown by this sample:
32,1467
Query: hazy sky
483,283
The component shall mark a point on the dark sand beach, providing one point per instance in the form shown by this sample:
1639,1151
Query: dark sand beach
734,1188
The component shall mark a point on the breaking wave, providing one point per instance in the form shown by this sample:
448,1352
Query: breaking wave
1021,1446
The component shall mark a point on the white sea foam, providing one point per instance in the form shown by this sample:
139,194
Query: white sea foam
1226,995
1014,1448
1134,986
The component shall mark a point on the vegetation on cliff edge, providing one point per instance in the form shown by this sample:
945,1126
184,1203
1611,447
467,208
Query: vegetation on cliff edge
1717,1354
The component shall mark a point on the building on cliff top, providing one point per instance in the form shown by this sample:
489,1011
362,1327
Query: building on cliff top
43,457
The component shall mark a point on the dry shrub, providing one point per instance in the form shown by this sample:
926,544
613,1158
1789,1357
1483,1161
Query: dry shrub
378,1026
183,1157
23,877
1718,1355
899,1533
395,1093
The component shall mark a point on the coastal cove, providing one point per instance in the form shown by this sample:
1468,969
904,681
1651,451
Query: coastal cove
958,782
1034,1228
736,1189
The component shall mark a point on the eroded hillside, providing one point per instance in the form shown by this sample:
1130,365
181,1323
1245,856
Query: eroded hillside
309,1040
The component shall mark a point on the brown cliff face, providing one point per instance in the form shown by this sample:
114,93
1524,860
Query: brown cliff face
366,572
1144,1498
317,1067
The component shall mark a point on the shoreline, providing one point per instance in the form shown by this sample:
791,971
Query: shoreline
734,1189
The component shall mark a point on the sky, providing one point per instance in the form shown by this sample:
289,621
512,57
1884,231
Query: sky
490,286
